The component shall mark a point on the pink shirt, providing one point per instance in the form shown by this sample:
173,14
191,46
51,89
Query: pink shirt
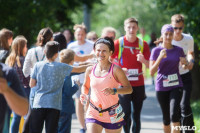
97,97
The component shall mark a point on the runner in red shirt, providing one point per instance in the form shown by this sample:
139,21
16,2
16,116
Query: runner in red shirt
135,52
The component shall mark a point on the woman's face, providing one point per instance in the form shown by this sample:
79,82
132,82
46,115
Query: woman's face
25,50
167,37
10,41
102,52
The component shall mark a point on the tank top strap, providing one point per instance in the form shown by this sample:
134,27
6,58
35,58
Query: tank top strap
93,69
111,69
109,72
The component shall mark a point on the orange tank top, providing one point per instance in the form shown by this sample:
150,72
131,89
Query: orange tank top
97,97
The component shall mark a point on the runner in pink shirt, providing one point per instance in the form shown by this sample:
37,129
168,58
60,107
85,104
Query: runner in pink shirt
106,80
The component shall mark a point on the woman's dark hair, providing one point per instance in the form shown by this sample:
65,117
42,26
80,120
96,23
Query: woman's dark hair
5,34
44,36
107,41
60,38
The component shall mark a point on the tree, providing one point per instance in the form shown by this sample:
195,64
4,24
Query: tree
27,17
190,9
113,13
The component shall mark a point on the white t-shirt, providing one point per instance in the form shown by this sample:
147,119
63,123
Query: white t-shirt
81,50
187,44
31,59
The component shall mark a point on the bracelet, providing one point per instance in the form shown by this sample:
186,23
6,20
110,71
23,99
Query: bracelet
115,91
192,61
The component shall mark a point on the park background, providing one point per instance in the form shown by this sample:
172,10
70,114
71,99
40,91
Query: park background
27,17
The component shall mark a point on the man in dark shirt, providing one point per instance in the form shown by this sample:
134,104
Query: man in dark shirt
11,94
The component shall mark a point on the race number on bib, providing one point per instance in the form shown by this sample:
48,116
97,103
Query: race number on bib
171,80
132,74
116,114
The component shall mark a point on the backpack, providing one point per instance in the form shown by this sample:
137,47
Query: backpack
36,56
121,48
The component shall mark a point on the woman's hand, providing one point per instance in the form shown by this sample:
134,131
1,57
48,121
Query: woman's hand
77,81
163,54
183,62
83,99
108,91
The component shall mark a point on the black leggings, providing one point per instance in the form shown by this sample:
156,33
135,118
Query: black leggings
38,116
136,98
186,111
170,104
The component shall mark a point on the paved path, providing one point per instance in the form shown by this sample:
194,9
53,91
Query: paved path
151,114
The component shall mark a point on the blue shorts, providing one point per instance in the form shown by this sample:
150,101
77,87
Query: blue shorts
105,125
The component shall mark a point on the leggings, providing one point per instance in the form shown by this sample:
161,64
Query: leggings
170,105
186,111
40,115
136,99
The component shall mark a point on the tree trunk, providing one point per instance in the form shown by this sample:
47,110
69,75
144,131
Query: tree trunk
196,75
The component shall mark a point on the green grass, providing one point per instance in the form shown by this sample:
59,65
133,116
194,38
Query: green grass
196,111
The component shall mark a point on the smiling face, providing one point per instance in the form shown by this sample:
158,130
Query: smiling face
102,52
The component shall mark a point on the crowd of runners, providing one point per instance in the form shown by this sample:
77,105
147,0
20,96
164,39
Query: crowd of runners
103,76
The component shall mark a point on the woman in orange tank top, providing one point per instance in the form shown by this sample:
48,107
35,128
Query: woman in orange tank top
106,80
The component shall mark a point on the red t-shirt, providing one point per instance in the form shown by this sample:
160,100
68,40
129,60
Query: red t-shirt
130,60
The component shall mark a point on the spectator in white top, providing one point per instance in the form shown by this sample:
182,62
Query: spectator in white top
37,54
81,47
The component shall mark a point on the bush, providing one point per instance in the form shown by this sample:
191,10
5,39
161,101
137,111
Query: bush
196,112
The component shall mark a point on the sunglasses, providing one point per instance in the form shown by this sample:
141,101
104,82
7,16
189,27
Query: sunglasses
93,39
176,28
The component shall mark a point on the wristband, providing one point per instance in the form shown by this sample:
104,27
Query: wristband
192,61
115,91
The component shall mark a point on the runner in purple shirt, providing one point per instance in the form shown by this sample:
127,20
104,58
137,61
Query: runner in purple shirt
165,61
168,76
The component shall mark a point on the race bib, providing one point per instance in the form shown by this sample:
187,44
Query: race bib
132,74
171,80
116,114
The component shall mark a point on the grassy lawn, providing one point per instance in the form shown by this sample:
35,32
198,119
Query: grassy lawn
196,111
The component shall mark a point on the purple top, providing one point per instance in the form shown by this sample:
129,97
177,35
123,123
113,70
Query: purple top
168,76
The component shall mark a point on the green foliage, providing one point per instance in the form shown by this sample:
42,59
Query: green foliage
196,112
27,17
113,13
190,9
